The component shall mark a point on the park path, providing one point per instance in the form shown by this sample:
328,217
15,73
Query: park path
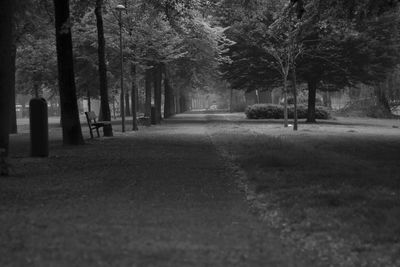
158,197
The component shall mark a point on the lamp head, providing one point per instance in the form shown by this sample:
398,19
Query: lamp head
120,8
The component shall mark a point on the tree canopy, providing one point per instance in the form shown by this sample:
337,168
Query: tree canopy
246,44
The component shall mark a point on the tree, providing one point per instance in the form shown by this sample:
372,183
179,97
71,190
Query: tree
266,49
6,77
343,43
105,108
134,96
13,116
168,94
351,43
157,80
28,18
72,133
148,79
247,25
284,46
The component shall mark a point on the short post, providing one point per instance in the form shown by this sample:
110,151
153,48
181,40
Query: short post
39,131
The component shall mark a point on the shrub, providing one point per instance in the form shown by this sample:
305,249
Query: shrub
271,111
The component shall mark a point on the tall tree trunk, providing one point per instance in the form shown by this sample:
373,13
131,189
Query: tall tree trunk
294,82
312,93
173,104
285,103
13,119
127,104
72,132
105,107
113,107
134,97
167,95
383,101
157,92
89,101
327,99
6,77
182,103
178,104
148,77
138,94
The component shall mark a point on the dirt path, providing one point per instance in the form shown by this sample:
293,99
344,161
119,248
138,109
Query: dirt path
159,197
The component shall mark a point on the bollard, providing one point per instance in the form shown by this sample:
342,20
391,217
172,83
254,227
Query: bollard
39,127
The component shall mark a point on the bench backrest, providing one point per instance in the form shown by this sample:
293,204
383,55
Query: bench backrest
90,116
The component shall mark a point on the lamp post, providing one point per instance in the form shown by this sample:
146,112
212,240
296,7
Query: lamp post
121,8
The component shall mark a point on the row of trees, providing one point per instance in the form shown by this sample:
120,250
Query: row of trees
175,46
170,44
327,45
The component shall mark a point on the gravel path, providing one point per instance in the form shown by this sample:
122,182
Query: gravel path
158,197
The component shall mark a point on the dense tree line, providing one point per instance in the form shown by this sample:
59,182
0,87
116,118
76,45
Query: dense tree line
174,47
336,43
169,44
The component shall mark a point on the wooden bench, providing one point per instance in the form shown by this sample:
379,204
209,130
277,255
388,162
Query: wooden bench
94,124
143,120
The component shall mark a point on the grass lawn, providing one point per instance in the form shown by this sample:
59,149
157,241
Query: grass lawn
330,189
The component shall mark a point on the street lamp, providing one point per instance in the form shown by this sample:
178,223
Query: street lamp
121,8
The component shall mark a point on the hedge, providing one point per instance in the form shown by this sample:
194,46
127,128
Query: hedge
271,111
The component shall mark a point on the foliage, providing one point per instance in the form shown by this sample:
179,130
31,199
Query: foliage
36,64
271,111
341,52
250,67
36,56
338,43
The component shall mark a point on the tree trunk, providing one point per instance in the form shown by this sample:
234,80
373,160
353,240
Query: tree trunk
327,99
89,101
285,103
157,92
113,107
149,76
177,104
6,78
127,104
134,97
105,107
168,98
383,102
182,103
138,94
294,82
13,119
312,93
71,127
173,104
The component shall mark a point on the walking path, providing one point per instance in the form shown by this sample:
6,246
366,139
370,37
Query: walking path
157,197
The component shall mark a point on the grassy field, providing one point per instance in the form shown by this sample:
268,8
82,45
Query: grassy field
333,189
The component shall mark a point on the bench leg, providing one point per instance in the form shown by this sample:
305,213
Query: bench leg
91,133
97,130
